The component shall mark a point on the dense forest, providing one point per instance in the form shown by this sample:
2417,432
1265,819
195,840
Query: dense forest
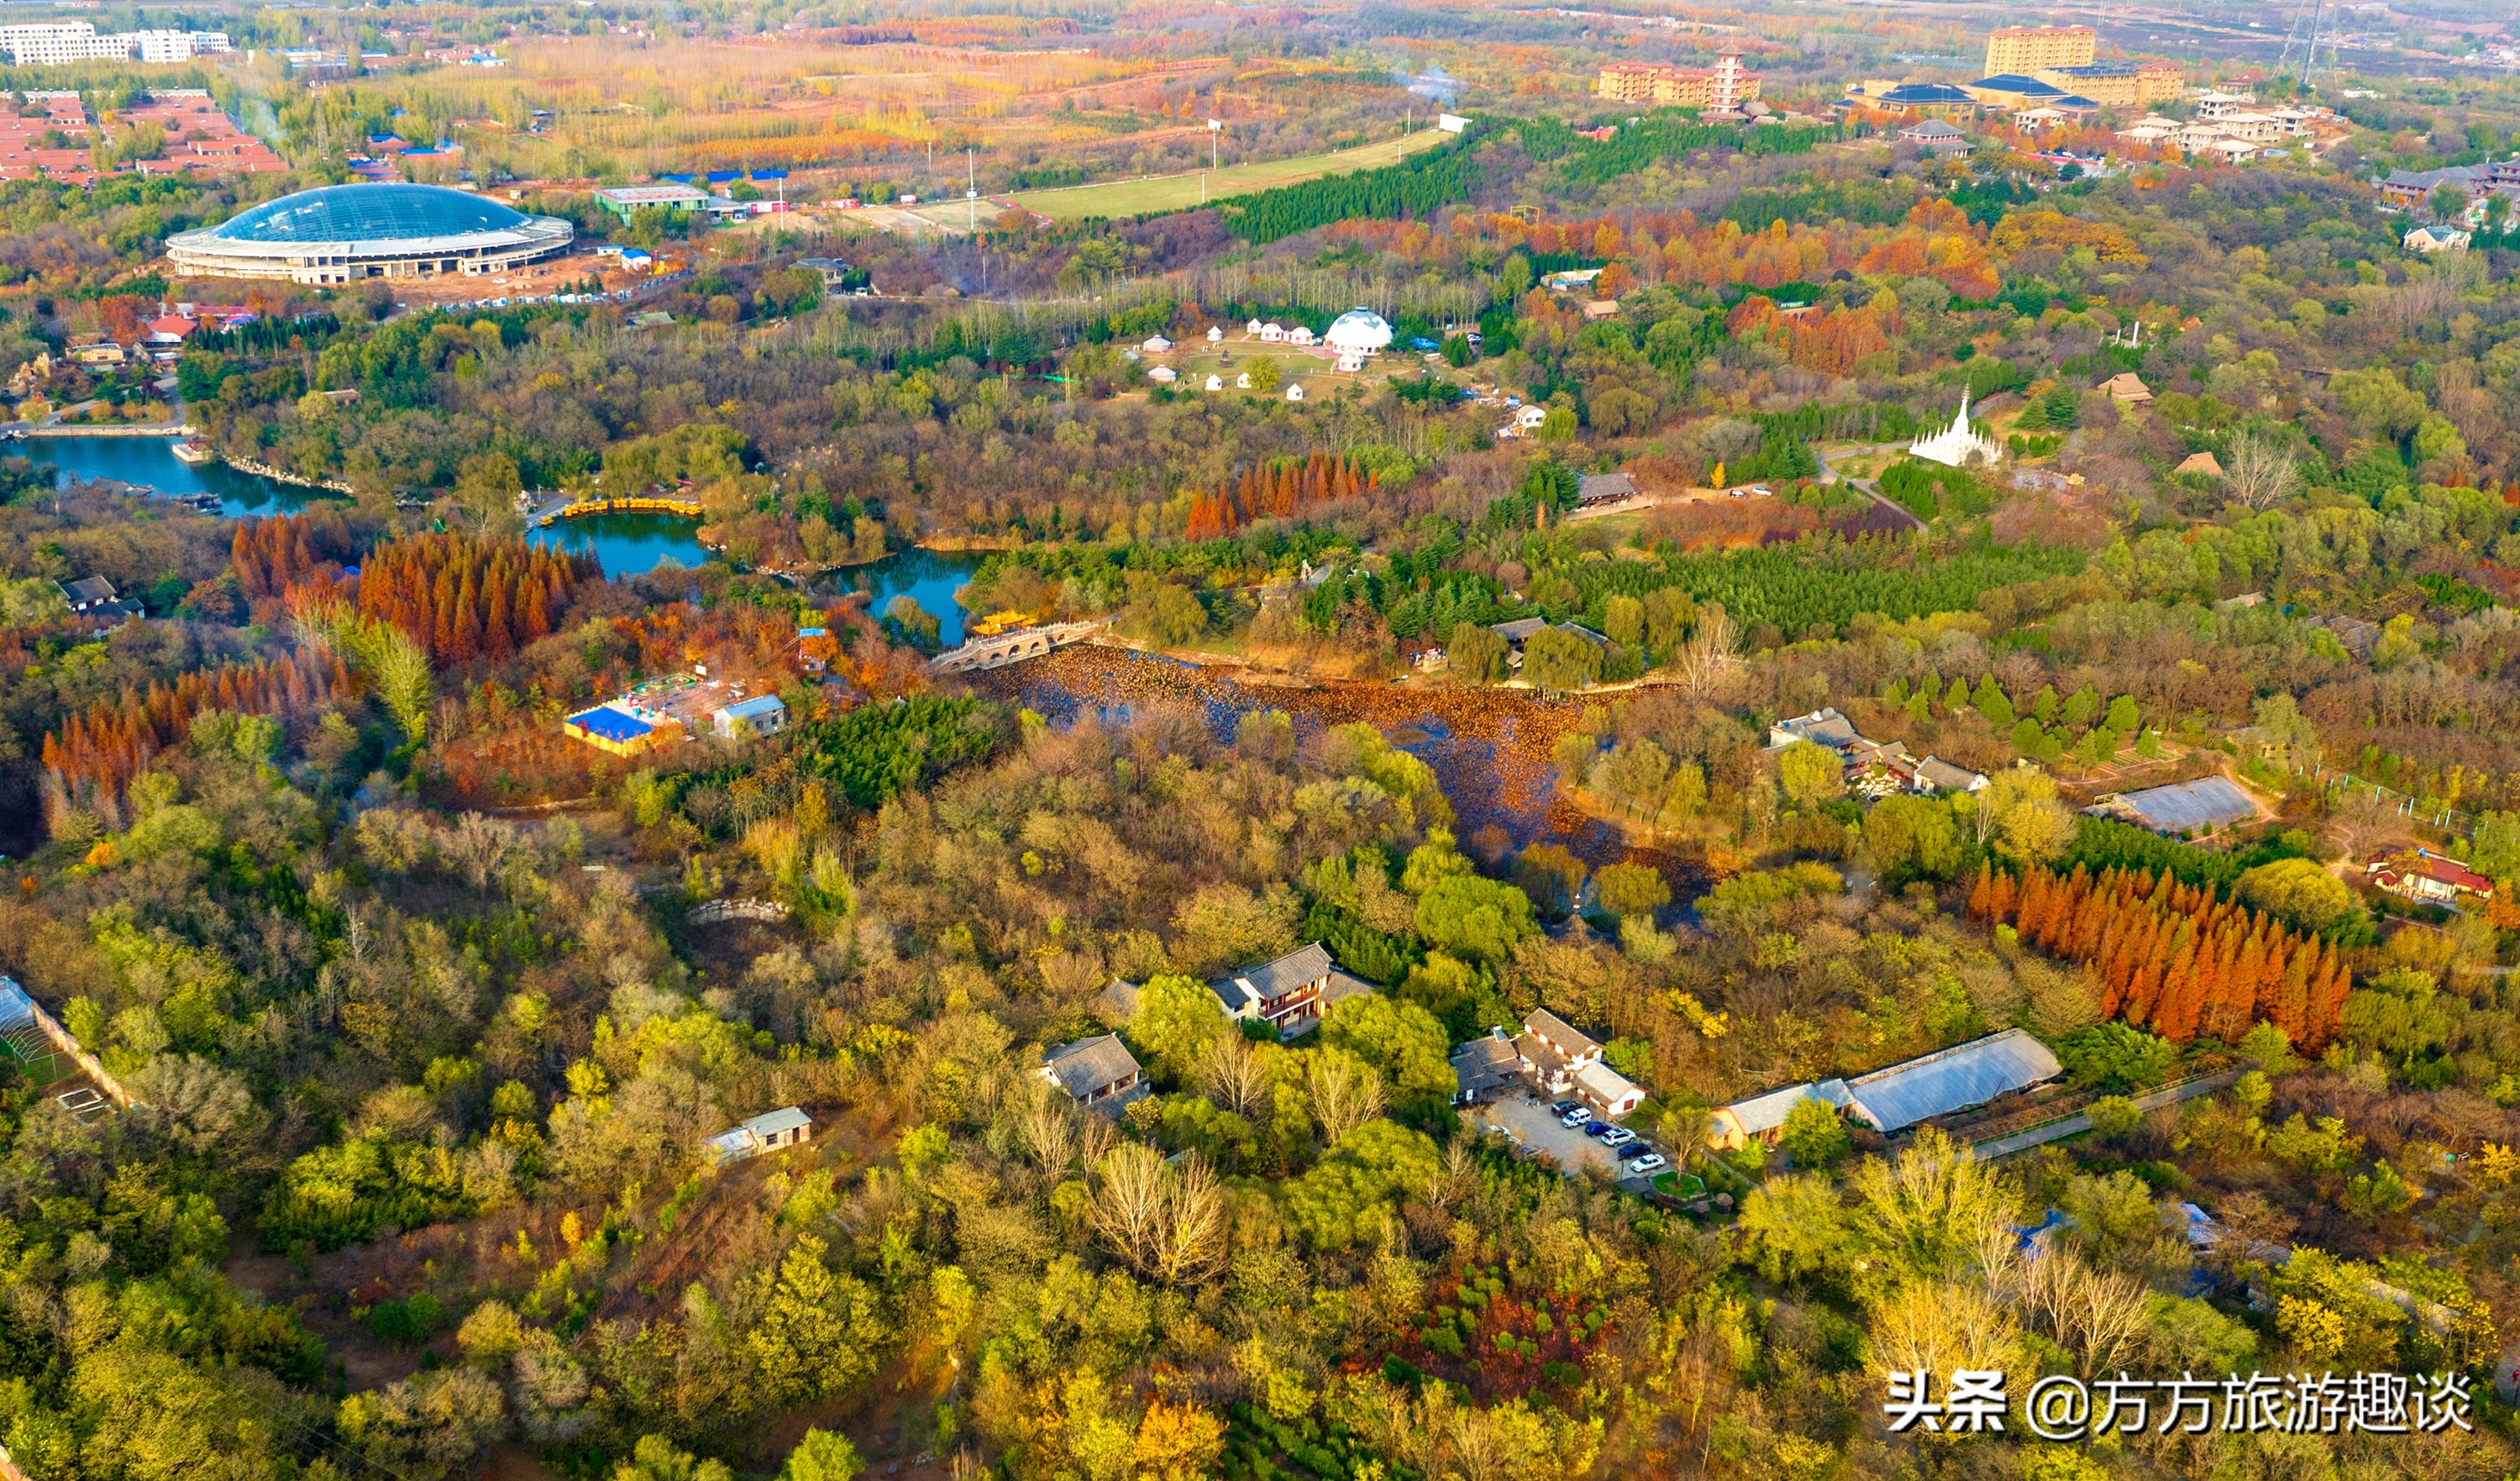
1597,659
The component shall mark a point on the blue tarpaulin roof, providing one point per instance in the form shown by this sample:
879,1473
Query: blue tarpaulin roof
1953,1079
722,176
610,724
770,174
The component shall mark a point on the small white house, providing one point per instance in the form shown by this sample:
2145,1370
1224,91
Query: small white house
765,1132
767,714
1216,334
1251,331
1163,374
1299,335
1294,393
1273,333
1156,344
1351,362
1216,383
1529,418
1242,382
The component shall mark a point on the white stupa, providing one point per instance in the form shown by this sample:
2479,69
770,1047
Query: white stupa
1957,443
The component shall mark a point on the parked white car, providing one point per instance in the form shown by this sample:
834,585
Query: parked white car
1648,1165
1618,1136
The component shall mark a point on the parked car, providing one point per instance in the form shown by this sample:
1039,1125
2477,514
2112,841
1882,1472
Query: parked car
1599,1129
1635,1149
1575,1118
1618,1136
1646,1165
1562,1107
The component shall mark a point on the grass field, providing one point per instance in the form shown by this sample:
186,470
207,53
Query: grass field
1172,193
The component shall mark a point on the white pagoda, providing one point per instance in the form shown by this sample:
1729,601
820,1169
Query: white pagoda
1957,443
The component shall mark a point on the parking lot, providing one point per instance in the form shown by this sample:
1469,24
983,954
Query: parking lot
1529,1122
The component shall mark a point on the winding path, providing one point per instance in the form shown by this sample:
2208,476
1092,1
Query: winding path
1868,487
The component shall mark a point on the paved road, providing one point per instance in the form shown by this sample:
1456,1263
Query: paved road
2038,1135
1868,487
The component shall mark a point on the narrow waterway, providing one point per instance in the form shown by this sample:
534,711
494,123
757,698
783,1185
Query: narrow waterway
1490,748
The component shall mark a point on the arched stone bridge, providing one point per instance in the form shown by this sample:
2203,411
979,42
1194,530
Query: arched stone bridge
1011,648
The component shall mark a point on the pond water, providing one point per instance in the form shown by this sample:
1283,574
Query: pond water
633,545
628,545
151,460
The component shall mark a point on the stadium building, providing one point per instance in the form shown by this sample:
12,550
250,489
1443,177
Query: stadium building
346,233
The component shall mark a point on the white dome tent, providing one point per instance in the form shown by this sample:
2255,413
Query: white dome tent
1359,330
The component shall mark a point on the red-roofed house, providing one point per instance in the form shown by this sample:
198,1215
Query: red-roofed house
174,328
2427,876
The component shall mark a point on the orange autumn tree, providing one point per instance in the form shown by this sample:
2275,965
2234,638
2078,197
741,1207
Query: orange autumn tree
2176,958
463,597
1279,489
271,555
92,758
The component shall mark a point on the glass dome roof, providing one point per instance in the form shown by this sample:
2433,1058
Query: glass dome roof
370,213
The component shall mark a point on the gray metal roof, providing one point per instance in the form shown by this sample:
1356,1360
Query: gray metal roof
785,1119
1519,630
1089,1064
2206,803
1953,1079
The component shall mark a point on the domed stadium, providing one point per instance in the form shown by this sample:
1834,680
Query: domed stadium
345,233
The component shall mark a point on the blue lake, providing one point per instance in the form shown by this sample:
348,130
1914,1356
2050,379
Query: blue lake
628,545
151,460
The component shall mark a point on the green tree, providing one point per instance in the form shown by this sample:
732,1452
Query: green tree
1400,1040
1794,1228
1472,916
2298,890
1993,702
818,1332
658,1459
1174,1020
1810,773
1630,890
1476,655
822,1456
2114,1056
1814,1135
1559,662
1912,838
1348,1195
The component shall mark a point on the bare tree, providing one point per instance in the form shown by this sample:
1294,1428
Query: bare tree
2260,471
1169,1225
2098,1315
1233,1075
1191,1242
1683,1129
1048,1126
1711,652
1128,1206
1346,1091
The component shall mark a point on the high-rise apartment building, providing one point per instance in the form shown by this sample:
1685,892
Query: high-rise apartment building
1727,85
2025,49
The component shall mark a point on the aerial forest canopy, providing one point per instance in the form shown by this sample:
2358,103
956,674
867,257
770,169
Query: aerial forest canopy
1400,744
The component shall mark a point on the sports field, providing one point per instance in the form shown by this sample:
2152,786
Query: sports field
1172,193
